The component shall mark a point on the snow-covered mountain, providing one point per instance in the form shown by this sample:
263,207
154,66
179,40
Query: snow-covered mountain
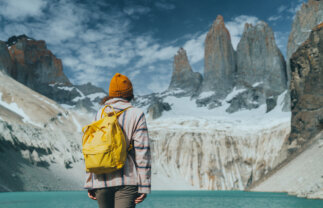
237,138
40,141
215,150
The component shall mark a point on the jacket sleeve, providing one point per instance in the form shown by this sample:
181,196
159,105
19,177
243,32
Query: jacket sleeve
142,155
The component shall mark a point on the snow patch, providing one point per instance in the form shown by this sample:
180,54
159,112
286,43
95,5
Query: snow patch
205,94
96,95
234,93
67,107
66,88
76,99
184,114
15,108
257,84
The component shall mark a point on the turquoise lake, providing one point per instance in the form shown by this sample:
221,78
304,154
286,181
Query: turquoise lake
162,199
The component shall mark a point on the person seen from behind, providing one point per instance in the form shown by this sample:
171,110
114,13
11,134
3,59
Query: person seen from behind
130,185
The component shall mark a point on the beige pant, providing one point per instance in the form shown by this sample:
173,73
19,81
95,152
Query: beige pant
117,197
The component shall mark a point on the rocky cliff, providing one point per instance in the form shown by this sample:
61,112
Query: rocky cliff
40,142
261,69
255,75
32,64
6,64
307,88
260,61
310,15
219,60
183,77
211,158
35,65
305,142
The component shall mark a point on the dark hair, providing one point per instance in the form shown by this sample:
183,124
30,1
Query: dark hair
106,98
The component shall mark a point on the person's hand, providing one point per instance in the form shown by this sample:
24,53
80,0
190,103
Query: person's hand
140,198
91,194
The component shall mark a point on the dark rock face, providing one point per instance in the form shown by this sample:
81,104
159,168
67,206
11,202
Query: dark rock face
14,39
310,15
260,61
6,64
249,98
183,77
219,60
35,64
156,109
307,89
210,102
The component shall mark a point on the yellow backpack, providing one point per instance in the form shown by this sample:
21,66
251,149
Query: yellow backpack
104,144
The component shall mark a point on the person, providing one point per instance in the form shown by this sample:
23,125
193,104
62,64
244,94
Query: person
130,185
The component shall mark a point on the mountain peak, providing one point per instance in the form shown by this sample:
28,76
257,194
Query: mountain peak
261,25
14,39
183,76
264,57
181,52
219,20
219,61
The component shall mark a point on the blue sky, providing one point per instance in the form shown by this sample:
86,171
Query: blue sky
96,39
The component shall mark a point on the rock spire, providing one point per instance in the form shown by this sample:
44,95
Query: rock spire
219,60
259,60
310,15
183,77
307,89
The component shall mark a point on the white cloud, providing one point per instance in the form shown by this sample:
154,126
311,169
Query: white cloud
236,26
281,8
195,48
93,75
164,5
274,18
158,84
19,9
151,52
133,74
135,10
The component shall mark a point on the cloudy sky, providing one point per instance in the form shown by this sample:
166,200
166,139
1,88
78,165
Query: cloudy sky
97,38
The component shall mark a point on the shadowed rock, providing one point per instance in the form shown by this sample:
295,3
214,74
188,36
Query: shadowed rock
307,89
156,109
183,77
6,64
32,64
260,61
310,15
219,61
35,64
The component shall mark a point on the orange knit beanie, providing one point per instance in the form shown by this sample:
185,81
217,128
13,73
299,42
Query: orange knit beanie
120,86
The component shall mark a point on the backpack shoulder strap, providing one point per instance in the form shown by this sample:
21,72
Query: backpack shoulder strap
120,112
114,112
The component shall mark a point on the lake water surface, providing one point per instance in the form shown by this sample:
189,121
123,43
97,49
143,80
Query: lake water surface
162,199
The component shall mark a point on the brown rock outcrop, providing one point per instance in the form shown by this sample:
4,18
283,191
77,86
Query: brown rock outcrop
307,89
310,15
219,60
34,64
183,77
